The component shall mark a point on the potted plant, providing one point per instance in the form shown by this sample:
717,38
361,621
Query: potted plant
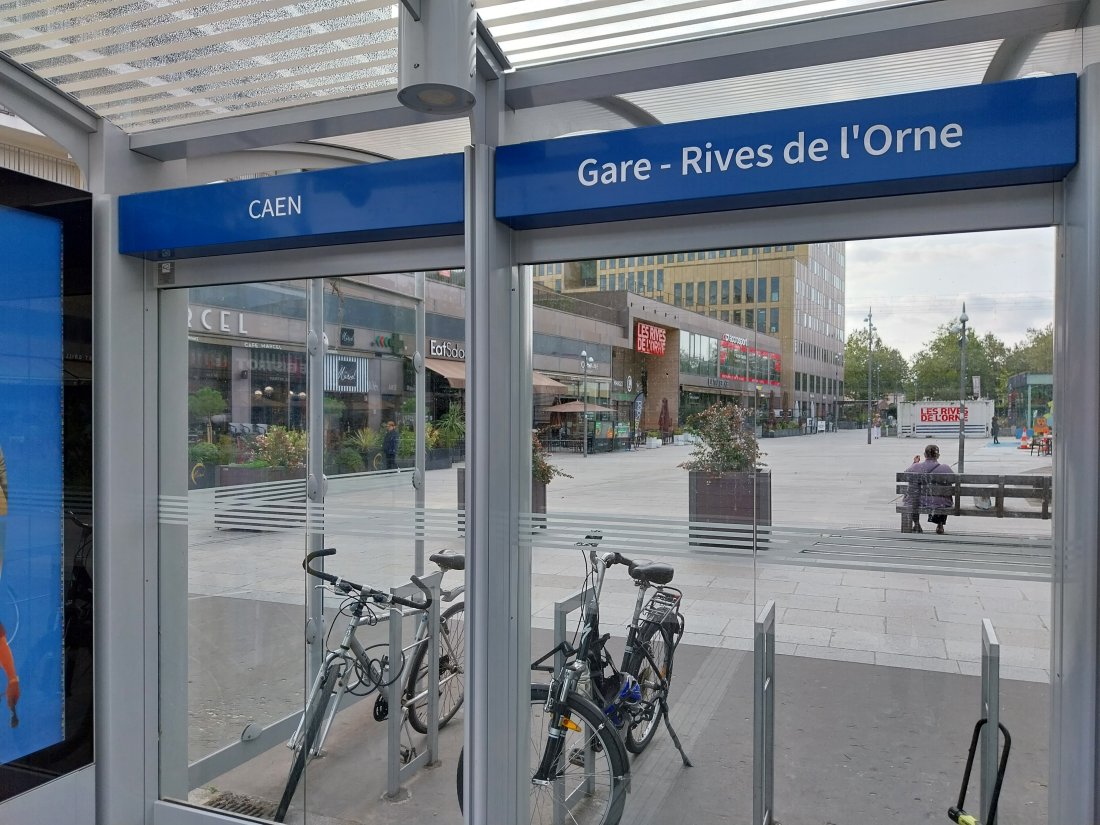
451,427
369,444
726,480
678,436
436,456
278,455
653,439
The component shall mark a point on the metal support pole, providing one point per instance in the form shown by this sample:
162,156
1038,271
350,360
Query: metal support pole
870,338
763,707
421,426
316,347
962,389
991,710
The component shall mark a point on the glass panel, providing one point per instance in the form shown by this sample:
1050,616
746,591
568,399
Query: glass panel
878,629
236,672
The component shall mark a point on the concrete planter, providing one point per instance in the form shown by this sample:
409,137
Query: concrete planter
679,440
727,499
782,433
652,443
254,498
538,501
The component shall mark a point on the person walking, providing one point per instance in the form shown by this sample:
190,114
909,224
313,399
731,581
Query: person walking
389,445
919,499
995,429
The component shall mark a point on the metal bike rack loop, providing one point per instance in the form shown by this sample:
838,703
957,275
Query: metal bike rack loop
991,710
763,713
395,771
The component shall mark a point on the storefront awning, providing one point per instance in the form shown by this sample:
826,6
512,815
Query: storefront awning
455,373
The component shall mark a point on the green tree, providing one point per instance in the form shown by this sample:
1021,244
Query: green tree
936,367
1034,354
891,369
204,404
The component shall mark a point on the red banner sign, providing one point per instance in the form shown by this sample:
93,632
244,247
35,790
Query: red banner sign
941,415
650,339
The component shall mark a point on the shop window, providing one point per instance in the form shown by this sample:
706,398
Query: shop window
761,290
677,297
737,317
737,291
713,292
750,286
761,320
701,291
661,279
689,294
725,292
773,323
775,289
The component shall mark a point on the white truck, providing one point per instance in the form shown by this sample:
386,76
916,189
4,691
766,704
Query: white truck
940,419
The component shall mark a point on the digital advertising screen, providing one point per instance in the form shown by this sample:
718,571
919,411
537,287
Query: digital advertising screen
31,688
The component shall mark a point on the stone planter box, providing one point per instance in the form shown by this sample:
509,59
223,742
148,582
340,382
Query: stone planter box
538,500
652,443
727,499
438,458
259,498
782,433
679,440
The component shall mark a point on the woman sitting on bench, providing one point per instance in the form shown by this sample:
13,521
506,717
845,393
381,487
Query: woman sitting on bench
918,498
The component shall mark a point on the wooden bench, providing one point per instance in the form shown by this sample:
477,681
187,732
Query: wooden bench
996,490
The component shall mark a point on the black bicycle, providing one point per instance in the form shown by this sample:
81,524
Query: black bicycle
581,769
346,668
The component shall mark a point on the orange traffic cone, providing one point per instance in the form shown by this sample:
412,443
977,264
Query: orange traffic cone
1024,445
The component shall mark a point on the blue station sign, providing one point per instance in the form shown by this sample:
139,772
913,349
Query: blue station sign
391,200
1017,132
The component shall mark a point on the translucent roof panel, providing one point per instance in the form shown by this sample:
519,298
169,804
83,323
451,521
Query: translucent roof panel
852,80
532,32
151,63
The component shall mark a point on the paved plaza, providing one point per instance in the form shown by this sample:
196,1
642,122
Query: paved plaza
878,633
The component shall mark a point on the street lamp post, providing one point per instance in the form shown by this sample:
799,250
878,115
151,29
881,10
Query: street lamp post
960,328
586,361
836,390
870,339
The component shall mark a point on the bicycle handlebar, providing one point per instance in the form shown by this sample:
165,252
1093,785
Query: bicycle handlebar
347,586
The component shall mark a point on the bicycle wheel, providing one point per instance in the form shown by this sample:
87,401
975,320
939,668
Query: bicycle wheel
657,640
314,716
452,671
586,796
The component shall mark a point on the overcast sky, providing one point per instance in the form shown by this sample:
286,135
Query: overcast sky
913,285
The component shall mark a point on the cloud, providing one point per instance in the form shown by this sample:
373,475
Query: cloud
915,285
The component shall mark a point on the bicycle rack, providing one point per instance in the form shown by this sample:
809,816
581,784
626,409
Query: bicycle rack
991,711
763,739
561,610
396,773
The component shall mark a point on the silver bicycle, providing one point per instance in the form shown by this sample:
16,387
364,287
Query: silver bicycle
347,668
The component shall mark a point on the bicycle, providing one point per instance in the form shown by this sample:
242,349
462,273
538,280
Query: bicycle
634,696
584,772
346,668
452,655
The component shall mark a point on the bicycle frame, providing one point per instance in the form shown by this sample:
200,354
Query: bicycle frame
349,651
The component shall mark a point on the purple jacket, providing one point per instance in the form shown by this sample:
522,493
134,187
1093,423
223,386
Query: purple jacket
917,496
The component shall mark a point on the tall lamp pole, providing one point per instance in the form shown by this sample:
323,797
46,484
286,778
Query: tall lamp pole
870,339
836,390
586,361
960,328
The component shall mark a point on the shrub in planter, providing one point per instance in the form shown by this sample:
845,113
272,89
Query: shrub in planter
542,473
726,484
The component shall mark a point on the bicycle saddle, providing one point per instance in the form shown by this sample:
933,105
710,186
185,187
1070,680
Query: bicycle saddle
449,561
655,572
